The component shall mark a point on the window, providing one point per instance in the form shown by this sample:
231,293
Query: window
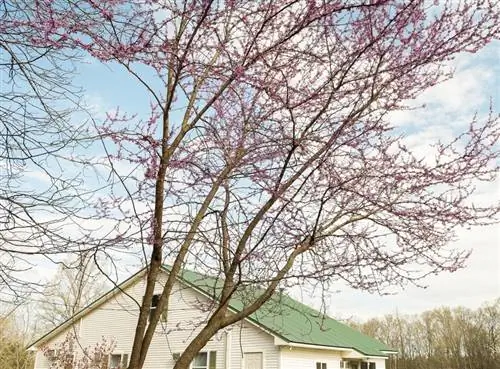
372,366
51,355
342,364
253,360
118,361
205,360
320,365
364,365
154,304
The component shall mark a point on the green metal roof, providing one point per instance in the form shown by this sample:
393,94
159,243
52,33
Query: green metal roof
291,320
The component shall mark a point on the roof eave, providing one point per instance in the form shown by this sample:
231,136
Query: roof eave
280,342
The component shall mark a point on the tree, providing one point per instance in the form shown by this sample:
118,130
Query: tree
41,187
76,284
13,352
69,354
441,338
269,158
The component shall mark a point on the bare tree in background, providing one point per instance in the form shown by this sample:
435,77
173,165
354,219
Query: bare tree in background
457,338
268,157
77,283
13,352
41,191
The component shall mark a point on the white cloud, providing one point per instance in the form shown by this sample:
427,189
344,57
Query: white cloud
454,102
449,108
477,283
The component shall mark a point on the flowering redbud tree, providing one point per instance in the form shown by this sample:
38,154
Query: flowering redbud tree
269,157
69,354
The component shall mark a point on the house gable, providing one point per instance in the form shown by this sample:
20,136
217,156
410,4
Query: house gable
115,318
280,323
63,328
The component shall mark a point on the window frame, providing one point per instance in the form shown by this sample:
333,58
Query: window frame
211,355
122,365
253,352
154,305
321,365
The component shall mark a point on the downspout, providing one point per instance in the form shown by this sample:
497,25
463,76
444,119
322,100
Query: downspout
227,356
36,358
280,354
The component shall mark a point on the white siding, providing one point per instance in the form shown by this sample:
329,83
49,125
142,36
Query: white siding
245,337
116,320
40,359
380,363
299,358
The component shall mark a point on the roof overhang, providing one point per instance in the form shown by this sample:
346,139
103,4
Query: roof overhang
280,342
357,355
347,352
390,352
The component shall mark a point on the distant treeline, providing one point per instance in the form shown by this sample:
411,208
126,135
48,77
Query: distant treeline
442,338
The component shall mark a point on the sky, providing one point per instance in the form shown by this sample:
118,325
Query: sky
476,284
448,108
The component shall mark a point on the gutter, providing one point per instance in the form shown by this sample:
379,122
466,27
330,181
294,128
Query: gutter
282,343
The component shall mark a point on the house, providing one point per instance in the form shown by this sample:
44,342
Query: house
283,334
